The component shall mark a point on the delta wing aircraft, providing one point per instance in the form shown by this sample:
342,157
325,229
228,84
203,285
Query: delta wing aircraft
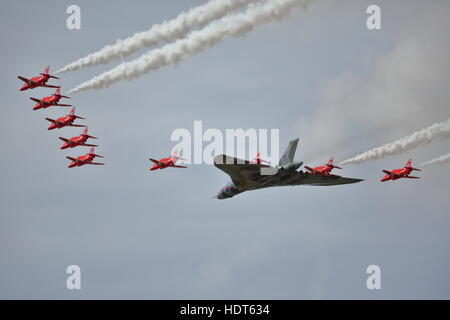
246,176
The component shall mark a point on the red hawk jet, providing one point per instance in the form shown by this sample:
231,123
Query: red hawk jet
85,159
323,170
66,121
258,159
78,140
39,81
400,173
167,162
50,101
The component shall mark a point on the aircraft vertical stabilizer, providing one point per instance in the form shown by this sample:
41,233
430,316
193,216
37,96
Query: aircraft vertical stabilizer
289,153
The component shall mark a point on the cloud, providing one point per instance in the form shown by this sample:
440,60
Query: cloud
403,89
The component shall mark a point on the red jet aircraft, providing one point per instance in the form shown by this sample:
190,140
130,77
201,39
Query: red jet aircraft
66,121
39,81
258,159
323,170
400,173
78,141
85,159
50,101
166,162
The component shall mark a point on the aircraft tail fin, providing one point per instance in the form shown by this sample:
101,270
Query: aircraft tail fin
91,152
409,165
174,156
289,153
46,73
330,161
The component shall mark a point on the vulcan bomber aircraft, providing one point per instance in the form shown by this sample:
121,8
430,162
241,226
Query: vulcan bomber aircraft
246,175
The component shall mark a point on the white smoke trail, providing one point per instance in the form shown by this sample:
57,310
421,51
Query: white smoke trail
159,33
440,160
234,25
437,131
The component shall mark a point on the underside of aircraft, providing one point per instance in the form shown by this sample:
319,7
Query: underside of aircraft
246,176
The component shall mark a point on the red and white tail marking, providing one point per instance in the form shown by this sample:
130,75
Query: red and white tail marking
175,156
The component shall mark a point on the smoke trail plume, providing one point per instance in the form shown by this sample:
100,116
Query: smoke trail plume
437,131
233,25
440,160
160,33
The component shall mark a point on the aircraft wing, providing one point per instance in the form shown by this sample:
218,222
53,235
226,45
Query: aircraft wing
38,101
72,159
411,177
62,105
241,171
176,166
159,163
52,121
50,86
392,174
77,125
26,80
309,169
65,140
299,178
97,163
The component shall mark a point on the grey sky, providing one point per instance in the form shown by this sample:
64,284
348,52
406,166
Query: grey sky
320,75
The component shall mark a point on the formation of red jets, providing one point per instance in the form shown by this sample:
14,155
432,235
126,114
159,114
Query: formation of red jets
390,175
80,140
320,170
65,121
